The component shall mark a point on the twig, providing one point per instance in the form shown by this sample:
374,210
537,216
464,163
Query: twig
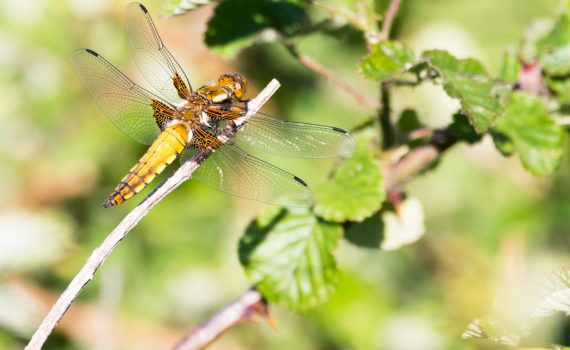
384,112
414,162
101,253
421,133
389,19
349,17
362,99
243,308
400,170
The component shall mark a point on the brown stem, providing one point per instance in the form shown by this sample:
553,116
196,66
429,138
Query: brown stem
389,19
384,113
362,99
398,171
243,308
101,253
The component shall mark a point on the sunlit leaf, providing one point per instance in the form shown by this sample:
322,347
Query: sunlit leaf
468,81
554,48
536,138
559,35
554,295
510,67
557,61
386,60
503,143
288,256
236,25
561,87
354,192
390,229
489,329
403,226
181,7
540,314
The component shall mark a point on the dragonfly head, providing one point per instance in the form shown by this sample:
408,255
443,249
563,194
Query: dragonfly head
235,83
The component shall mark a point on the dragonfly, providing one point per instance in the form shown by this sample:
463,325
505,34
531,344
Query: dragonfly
182,121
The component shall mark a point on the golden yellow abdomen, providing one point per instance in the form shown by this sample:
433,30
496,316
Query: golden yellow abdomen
169,144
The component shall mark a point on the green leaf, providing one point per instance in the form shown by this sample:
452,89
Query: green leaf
390,229
289,258
468,81
362,15
236,25
490,329
403,226
355,191
535,316
510,67
536,138
181,7
503,143
387,60
367,234
409,121
558,36
554,295
462,130
561,87
557,61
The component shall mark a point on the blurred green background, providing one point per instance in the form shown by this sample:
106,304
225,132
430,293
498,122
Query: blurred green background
487,221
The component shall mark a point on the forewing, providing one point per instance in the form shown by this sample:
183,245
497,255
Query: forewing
135,111
153,59
233,171
294,139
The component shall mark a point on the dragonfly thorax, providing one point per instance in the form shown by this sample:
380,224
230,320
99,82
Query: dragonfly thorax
235,84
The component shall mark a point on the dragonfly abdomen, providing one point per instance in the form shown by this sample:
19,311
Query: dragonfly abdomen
169,144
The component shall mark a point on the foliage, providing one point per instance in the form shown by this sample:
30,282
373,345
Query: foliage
289,258
542,321
355,195
355,190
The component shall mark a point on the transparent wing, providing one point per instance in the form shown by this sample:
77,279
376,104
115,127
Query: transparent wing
135,111
289,139
153,59
233,171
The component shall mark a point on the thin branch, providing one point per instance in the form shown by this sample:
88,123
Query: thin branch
384,116
349,17
401,82
403,168
389,19
413,163
421,133
243,308
362,99
101,253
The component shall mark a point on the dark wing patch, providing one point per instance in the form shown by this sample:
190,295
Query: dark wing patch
181,88
130,107
203,139
162,113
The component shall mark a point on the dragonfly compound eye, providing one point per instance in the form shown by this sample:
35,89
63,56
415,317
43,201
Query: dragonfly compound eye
240,85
